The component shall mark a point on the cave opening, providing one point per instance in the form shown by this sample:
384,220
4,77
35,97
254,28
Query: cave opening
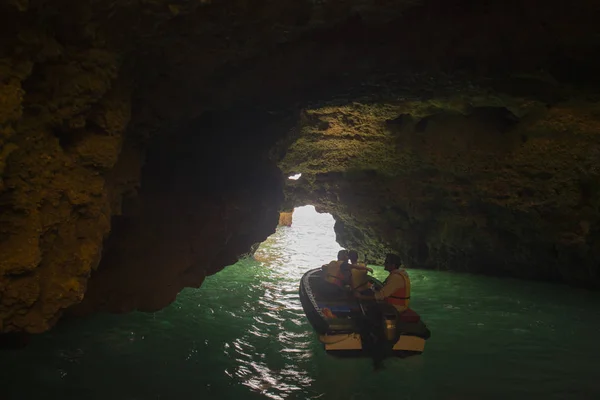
306,240
429,192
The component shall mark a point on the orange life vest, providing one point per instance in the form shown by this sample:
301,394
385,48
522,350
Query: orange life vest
401,297
334,274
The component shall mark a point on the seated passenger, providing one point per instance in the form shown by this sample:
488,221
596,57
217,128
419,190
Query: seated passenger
395,293
359,280
396,287
333,271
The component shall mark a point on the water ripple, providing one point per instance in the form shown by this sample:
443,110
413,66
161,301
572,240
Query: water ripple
243,335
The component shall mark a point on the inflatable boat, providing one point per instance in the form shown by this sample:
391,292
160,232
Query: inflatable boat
339,319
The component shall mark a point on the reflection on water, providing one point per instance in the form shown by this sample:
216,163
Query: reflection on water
279,326
243,335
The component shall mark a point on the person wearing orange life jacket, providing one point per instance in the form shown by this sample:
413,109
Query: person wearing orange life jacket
395,293
332,272
357,274
396,288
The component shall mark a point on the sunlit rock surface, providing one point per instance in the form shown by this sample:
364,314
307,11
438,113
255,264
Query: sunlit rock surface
458,185
131,131
285,218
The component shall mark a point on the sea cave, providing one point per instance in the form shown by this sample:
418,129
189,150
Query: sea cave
147,145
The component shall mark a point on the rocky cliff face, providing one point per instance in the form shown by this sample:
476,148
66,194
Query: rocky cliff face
63,115
475,186
285,218
135,139
83,88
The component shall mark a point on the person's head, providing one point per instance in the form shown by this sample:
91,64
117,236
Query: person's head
343,255
353,256
392,262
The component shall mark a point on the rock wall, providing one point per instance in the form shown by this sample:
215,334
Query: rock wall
285,218
63,114
85,88
202,205
126,128
496,187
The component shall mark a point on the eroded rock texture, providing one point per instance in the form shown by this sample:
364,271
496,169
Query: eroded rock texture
84,87
202,204
466,186
135,139
285,218
63,116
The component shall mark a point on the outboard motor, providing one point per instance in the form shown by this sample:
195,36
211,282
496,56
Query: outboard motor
389,327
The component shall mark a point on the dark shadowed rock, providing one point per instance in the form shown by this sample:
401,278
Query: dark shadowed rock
139,140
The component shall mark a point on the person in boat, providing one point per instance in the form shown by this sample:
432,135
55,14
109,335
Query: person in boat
333,271
357,274
395,293
396,287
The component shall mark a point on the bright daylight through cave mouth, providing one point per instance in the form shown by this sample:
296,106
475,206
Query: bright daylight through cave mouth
307,243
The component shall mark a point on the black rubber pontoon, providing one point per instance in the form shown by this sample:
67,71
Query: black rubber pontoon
339,319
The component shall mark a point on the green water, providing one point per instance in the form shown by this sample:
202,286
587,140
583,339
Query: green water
243,335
